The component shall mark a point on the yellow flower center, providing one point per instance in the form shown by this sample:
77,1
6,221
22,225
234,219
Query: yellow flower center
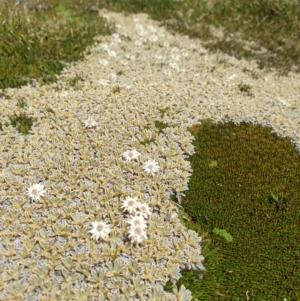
138,231
100,228
35,192
131,203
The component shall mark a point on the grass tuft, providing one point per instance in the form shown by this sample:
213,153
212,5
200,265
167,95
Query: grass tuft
245,88
265,31
22,122
36,44
116,89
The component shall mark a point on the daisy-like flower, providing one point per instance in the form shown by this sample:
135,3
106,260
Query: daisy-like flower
103,62
90,123
99,229
130,204
114,76
130,57
103,82
137,220
116,37
151,167
144,210
111,53
138,43
36,191
174,66
153,38
105,47
137,234
131,155
158,57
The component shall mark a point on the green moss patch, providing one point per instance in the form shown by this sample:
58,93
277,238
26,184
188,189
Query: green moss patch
35,44
253,192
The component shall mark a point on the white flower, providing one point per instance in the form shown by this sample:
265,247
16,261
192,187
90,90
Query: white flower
175,57
105,47
111,53
114,76
152,28
127,87
63,94
144,210
36,191
116,38
167,72
131,155
140,30
175,66
138,43
130,57
115,35
158,57
185,54
137,220
137,234
103,82
103,62
100,229
107,17
153,38
90,123
151,167
124,63
130,204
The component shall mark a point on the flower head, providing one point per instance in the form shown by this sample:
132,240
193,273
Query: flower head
144,210
99,229
90,123
137,220
111,53
130,204
114,76
137,234
131,155
103,62
151,167
36,191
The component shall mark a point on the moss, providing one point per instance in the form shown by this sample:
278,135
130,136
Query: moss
253,193
41,42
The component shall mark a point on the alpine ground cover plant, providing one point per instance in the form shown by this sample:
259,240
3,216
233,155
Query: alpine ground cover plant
267,31
36,42
241,203
195,18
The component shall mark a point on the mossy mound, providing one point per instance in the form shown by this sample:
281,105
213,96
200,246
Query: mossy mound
246,180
